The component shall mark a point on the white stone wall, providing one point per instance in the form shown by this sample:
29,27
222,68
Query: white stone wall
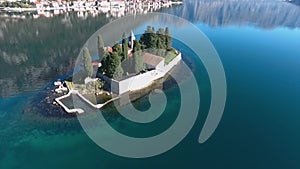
142,80
137,82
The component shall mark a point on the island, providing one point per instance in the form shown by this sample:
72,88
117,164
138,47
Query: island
129,66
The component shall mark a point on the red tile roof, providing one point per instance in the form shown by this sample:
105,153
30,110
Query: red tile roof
109,49
95,63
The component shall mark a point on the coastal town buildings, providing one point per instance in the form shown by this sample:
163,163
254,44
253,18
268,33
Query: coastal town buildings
114,8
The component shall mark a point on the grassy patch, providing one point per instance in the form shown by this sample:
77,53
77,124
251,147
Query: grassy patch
79,87
170,56
69,85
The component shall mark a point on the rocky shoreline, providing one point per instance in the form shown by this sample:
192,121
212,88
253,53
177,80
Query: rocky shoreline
44,104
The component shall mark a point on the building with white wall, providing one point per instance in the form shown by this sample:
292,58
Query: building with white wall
142,80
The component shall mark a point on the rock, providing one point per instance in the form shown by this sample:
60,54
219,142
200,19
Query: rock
48,100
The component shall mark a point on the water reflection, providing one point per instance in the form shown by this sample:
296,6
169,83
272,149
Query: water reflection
265,14
296,2
37,47
35,51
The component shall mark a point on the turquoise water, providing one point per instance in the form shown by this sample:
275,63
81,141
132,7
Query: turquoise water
259,128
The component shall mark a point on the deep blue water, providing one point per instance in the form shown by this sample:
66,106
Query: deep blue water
260,125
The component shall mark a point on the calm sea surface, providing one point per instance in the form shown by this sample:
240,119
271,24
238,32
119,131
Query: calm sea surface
258,43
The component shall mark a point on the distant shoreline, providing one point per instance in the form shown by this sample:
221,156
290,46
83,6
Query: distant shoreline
19,9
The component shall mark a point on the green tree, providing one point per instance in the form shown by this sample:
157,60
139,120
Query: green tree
153,39
127,65
160,50
114,61
149,29
168,40
118,72
138,60
117,48
149,38
87,62
161,40
100,47
124,47
104,62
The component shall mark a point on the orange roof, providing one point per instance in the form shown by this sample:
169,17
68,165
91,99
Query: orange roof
109,49
127,47
95,63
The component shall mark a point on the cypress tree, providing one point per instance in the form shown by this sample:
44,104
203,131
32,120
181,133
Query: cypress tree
117,48
124,47
149,38
168,40
138,60
153,39
114,62
118,72
161,39
105,62
160,50
100,47
87,62
149,29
